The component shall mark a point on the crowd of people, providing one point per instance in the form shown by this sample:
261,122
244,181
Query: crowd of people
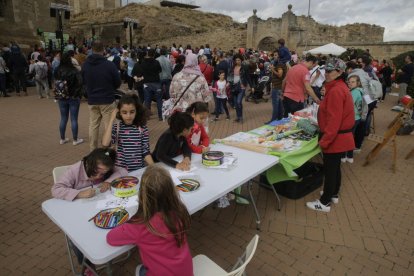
190,79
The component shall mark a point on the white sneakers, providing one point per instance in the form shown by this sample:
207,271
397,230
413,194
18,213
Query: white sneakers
346,159
334,199
318,206
64,141
75,142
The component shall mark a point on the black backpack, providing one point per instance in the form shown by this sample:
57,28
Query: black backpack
61,89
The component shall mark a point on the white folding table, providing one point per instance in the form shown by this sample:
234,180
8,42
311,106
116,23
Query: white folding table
72,216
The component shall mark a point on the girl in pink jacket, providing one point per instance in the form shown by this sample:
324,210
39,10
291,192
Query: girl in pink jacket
159,228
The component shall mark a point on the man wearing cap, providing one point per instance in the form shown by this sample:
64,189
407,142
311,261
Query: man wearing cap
296,84
336,120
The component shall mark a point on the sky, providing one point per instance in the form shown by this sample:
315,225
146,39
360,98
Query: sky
396,16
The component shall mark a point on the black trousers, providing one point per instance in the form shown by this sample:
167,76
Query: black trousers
332,171
290,106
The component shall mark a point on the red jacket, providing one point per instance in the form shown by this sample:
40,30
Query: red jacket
336,113
207,71
198,138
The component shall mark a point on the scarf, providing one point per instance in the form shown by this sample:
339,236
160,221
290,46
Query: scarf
191,65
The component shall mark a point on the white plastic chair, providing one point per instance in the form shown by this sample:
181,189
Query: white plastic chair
202,265
58,171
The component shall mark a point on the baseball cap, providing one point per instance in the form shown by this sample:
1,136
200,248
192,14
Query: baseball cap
335,64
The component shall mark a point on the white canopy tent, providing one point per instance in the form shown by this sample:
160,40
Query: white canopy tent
328,49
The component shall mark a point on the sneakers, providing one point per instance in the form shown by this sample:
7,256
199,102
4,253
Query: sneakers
318,206
346,159
64,141
357,150
77,142
243,201
334,199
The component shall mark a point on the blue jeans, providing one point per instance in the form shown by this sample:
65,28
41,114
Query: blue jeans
165,88
153,89
238,99
69,106
277,106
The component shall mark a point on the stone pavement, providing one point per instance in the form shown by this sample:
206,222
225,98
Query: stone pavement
370,231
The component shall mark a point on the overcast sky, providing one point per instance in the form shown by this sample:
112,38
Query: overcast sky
396,16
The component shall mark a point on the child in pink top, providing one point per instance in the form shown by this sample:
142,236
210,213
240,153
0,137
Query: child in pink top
79,180
158,228
198,139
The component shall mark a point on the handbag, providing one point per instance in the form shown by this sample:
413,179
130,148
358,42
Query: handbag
168,105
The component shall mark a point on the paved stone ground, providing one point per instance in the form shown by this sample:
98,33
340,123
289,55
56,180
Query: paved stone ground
370,231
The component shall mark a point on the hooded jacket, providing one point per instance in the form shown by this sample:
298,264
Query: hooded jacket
101,78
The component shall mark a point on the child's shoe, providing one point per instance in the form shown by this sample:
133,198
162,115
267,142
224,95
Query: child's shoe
240,200
350,160
343,160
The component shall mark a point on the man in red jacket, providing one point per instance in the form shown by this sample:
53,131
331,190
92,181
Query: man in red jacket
336,119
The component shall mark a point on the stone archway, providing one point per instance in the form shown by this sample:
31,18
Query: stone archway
267,43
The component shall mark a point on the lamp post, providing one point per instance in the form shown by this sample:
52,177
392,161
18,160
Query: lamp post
60,10
131,24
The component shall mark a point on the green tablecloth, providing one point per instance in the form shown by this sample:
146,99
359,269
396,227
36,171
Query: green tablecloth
288,161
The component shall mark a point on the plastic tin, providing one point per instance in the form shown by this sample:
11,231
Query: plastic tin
130,188
212,158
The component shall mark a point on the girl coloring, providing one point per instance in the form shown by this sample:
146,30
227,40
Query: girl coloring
130,135
95,168
198,139
173,142
158,228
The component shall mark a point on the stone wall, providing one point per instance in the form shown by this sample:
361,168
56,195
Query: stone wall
299,30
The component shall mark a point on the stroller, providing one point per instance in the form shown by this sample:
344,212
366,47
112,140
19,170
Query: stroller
257,95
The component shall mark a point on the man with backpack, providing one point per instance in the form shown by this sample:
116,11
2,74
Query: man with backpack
40,69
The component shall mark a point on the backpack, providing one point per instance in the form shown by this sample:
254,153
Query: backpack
364,107
41,71
61,90
375,89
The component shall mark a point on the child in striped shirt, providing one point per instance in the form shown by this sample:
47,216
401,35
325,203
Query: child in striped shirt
130,135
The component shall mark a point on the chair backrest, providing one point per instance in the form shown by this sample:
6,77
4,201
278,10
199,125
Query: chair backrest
246,257
58,171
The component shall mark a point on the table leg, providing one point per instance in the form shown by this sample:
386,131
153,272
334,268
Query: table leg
72,266
108,268
277,196
249,185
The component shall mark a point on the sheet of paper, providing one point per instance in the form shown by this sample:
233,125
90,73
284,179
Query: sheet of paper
367,99
241,137
111,201
176,174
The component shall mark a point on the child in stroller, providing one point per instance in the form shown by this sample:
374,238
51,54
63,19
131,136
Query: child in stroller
259,89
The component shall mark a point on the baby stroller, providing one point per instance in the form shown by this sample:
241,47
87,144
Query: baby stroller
257,95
